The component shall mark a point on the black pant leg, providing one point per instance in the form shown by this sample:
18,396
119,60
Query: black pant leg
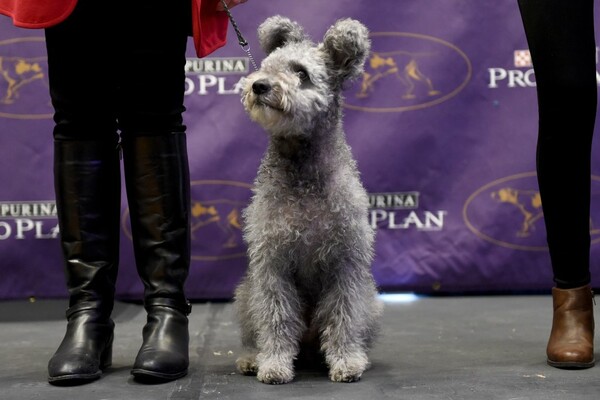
561,39
82,57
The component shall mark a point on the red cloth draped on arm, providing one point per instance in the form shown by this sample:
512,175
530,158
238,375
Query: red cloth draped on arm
209,26
37,13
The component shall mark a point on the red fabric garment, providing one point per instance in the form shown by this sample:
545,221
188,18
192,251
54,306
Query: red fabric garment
35,13
209,25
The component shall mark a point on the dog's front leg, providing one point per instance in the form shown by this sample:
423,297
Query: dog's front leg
276,308
343,315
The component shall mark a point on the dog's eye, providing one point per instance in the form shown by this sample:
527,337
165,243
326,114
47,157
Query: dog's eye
300,72
302,75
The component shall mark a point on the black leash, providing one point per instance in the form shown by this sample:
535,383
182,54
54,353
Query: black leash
242,42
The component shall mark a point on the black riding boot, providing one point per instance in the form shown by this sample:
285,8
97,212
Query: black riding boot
88,198
158,191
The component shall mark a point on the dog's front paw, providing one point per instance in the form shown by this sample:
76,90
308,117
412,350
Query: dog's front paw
348,370
342,375
275,373
247,364
273,377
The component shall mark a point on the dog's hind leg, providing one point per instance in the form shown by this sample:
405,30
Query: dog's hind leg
246,362
346,315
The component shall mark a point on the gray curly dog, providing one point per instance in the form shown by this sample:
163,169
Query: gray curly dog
310,245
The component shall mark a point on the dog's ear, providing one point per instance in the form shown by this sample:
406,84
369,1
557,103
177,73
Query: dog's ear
277,31
347,43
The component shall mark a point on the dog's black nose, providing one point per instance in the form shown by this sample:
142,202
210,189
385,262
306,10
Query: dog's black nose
261,86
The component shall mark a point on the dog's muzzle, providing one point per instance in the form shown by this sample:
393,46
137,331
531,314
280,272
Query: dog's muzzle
266,95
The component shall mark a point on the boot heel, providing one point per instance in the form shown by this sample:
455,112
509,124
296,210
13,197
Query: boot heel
106,356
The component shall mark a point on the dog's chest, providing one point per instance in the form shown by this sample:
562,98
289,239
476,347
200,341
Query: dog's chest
304,218
313,215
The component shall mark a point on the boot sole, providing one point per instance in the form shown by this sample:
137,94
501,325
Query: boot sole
75,379
147,376
570,365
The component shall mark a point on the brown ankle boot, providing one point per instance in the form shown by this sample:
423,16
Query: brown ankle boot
571,343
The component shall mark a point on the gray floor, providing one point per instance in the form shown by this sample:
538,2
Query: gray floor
488,347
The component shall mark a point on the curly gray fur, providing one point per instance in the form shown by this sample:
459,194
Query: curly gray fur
310,246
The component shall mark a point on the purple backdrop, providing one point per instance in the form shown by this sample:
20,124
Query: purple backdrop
443,125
